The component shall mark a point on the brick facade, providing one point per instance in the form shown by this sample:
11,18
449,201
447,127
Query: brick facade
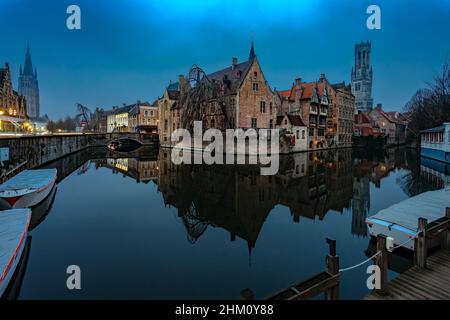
11,103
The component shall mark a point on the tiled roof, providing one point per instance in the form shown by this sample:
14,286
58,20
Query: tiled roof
173,86
307,90
295,120
135,107
284,93
232,75
363,118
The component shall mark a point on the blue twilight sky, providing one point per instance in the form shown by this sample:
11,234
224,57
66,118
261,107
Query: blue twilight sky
130,50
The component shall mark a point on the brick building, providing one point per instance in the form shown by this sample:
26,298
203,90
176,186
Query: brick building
12,105
241,97
386,124
312,102
342,114
169,111
143,117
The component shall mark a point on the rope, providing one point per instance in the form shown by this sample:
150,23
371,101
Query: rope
361,263
402,244
376,254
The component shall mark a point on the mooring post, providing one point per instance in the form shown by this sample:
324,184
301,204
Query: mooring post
381,261
332,268
421,245
446,240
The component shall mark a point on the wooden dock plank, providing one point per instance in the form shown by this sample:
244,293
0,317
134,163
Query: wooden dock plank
432,283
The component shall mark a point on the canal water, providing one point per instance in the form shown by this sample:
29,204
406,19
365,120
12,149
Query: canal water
140,227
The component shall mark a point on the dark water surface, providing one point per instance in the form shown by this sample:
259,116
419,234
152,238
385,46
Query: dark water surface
141,227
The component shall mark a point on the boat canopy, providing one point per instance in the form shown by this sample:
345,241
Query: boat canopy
429,205
29,179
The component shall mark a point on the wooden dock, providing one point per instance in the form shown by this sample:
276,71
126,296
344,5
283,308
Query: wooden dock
432,283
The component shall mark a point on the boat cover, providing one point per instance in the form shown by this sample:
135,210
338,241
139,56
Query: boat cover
429,205
13,228
29,179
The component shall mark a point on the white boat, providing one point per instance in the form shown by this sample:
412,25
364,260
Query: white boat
27,189
400,221
13,232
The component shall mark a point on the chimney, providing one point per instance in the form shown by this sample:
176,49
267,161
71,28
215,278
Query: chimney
234,62
379,107
298,83
181,83
322,77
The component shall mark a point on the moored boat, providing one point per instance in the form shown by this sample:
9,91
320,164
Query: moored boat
14,225
124,145
400,221
40,211
27,189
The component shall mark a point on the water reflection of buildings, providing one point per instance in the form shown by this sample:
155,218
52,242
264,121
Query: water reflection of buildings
239,200
435,173
371,167
140,170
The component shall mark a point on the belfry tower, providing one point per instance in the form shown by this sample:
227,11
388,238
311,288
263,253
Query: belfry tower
362,76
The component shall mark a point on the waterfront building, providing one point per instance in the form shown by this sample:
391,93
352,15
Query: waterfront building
364,126
238,96
401,125
246,101
362,76
296,131
13,112
312,102
387,125
435,143
118,119
29,86
169,112
143,117
103,120
342,114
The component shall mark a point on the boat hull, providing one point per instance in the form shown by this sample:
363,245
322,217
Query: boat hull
7,274
28,200
398,233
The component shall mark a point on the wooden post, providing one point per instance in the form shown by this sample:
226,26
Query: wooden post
332,268
421,245
446,239
381,261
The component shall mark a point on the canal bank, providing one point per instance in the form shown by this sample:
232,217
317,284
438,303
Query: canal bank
25,152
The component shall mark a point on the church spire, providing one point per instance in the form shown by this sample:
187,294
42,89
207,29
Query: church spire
252,54
28,67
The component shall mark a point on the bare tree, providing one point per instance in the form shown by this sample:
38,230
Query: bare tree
430,107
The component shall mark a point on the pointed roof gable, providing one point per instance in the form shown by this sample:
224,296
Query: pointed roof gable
28,67
252,54
295,120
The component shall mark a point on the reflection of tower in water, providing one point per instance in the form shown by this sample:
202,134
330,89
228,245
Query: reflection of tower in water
360,205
